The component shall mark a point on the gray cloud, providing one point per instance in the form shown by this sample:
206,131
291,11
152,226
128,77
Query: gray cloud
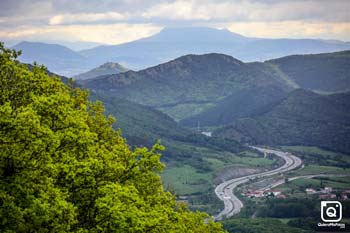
17,17
335,10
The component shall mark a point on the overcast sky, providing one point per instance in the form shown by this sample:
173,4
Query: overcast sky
118,21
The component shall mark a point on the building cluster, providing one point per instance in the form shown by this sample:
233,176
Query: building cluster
262,193
327,193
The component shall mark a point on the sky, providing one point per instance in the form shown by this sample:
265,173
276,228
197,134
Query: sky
120,21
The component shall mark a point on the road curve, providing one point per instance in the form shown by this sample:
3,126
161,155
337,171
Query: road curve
224,191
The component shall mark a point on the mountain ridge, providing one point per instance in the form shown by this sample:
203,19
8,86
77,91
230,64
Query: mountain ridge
188,83
323,73
171,43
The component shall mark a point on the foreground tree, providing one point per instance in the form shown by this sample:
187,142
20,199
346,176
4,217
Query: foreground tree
64,169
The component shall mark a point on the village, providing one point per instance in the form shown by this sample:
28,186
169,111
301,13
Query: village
325,193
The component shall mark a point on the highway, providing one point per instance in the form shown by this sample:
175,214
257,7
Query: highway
224,191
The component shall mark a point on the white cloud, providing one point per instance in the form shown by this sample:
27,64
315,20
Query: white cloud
86,18
177,10
245,10
108,22
292,29
107,34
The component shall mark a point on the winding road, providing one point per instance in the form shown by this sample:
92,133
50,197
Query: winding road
224,191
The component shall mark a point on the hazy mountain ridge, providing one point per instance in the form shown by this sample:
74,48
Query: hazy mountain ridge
171,43
174,42
57,58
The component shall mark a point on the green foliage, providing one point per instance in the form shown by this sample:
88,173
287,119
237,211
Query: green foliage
289,208
318,156
258,225
64,169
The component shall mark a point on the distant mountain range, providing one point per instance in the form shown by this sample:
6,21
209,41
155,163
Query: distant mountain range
214,89
57,58
107,68
169,44
302,118
191,84
258,103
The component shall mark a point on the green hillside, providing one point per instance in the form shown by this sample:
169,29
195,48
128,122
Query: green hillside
143,126
190,84
107,68
303,118
329,72
214,89
242,104
63,168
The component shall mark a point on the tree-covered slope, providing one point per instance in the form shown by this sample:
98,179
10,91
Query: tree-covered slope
64,169
107,68
303,118
143,126
190,84
329,72
242,104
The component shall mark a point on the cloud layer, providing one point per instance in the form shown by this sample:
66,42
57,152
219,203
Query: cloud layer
112,22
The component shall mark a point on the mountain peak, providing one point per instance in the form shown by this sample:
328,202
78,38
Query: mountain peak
40,45
210,57
107,68
196,34
113,65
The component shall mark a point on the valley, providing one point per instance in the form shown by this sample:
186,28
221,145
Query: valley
177,116
213,112
265,93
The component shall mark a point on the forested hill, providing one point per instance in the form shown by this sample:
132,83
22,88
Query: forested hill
302,118
107,68
329,72
64,169
189,84
143,126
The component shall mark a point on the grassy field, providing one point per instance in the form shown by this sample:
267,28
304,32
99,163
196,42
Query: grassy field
316,169
315,155
185,180
196,182
296,188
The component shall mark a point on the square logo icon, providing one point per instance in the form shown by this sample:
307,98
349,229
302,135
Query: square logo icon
331,211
